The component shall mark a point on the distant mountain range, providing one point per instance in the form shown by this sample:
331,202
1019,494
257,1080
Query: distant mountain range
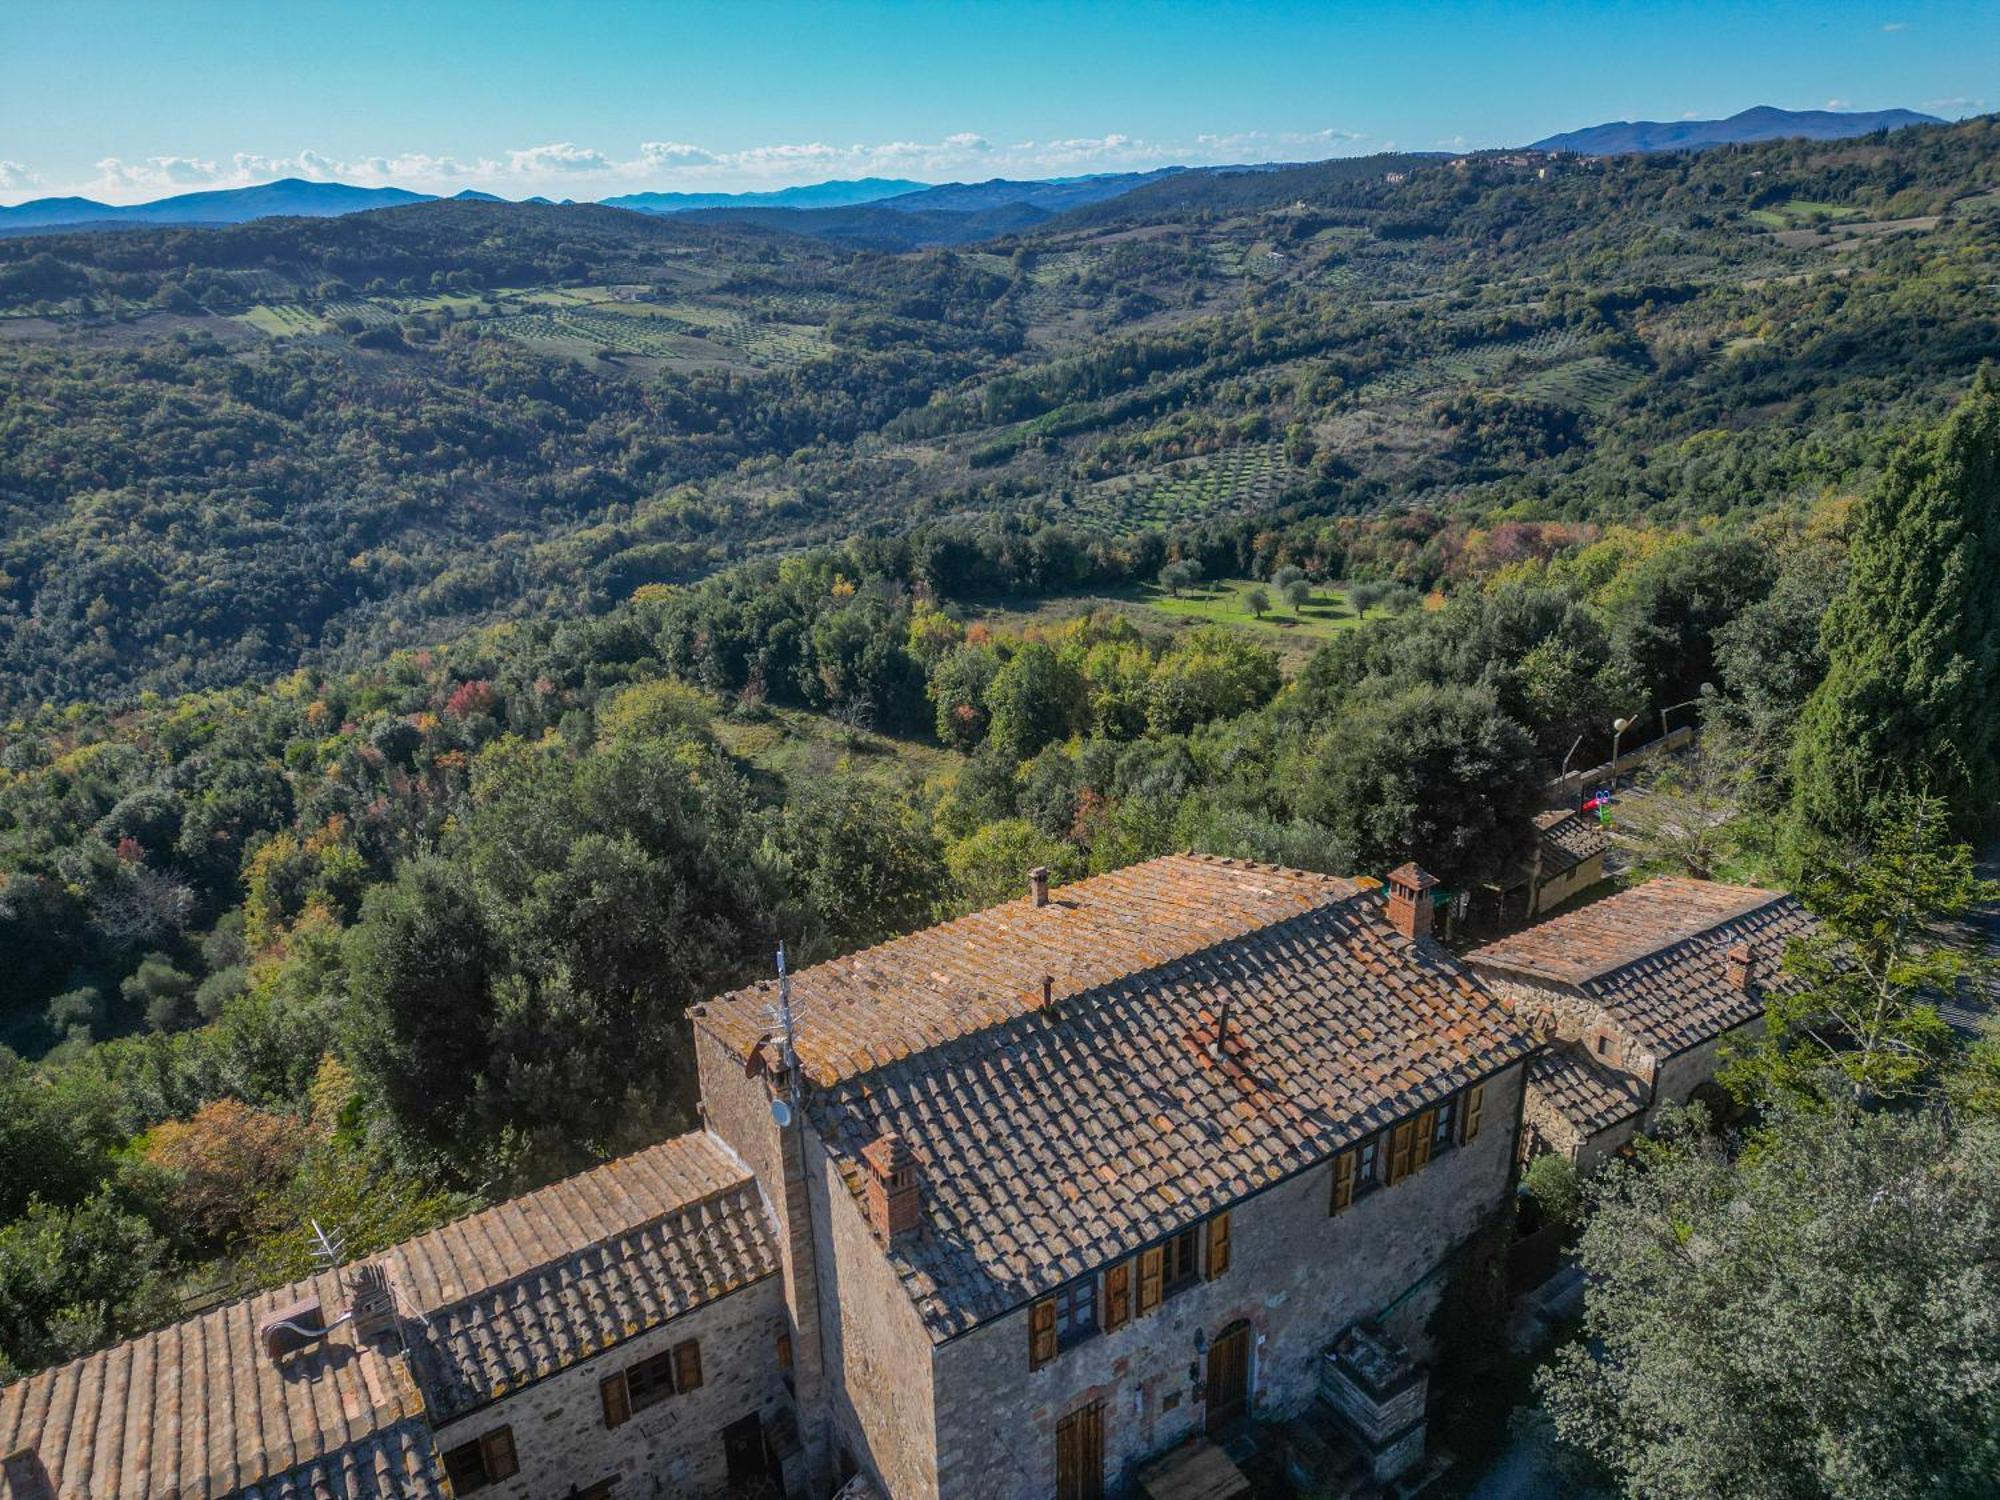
892,212
1764,123
289,196
812,195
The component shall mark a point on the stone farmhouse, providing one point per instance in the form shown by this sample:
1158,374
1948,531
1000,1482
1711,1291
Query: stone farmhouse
1634,996
1014,1206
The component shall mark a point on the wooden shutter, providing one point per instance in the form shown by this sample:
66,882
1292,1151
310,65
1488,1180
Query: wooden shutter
1399,1150
1218,1244
1343,1180
1117,1295
687,1367
617,1399
1475,1102
1041,1333
1152,1278
785,1352
1420,1144
496,1450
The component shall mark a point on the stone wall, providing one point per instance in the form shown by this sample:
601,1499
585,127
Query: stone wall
1297,1277
1684,1072
560,1437
879,1373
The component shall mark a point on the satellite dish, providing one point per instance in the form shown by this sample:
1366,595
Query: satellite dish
781,1111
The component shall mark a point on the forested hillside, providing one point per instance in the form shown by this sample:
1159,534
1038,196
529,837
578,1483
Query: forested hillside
434,632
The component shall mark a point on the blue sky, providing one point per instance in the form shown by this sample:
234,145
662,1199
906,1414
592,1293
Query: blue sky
127,100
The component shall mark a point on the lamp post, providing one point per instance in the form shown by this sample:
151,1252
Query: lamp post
1618,728
1707,692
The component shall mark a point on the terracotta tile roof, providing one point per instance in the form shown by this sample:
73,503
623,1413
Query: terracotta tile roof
1654,956
398,1463
197,1412
523,1290
1567,839
1056,1139
1583,1091
886,1003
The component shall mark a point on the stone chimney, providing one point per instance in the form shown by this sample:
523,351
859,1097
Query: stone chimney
1739,964
893,1197
1409,907
1038,885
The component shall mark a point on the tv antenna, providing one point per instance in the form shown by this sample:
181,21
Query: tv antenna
784,1016
329,1247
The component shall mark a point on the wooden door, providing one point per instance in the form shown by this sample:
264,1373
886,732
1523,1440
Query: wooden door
744,1451
1228,1378
1080,1454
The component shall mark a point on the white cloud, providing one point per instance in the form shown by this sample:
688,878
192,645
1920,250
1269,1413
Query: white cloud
668,154
1838,104
571,169
1895,25
14,177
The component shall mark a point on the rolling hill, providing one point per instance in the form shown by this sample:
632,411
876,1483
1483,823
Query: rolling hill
1763,123
289,197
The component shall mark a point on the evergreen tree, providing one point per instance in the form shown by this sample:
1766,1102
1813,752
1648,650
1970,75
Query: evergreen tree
1913,641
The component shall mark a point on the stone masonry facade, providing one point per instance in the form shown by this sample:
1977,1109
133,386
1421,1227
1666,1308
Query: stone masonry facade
560,1436
1298,1276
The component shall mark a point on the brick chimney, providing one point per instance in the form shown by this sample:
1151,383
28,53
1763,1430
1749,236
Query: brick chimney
1038,885
893,1197
1739,964
1409,907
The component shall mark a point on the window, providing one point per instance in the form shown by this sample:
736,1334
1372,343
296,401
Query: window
1475,1103
1076,1312
1413,1143
1041,1332
1368,1166
1218,1245
785,1352
1444,1131
1118,1295
650,1381
1178,1269
486,1460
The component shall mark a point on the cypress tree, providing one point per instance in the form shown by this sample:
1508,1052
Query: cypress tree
1912,687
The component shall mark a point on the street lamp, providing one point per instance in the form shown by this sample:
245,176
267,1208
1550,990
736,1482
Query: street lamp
1618,728
1707,692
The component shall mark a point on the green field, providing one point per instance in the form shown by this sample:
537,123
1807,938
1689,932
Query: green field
1226,602
1801,213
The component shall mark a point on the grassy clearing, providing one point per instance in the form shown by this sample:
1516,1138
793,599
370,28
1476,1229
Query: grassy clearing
1800,213
1227,602
788,742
